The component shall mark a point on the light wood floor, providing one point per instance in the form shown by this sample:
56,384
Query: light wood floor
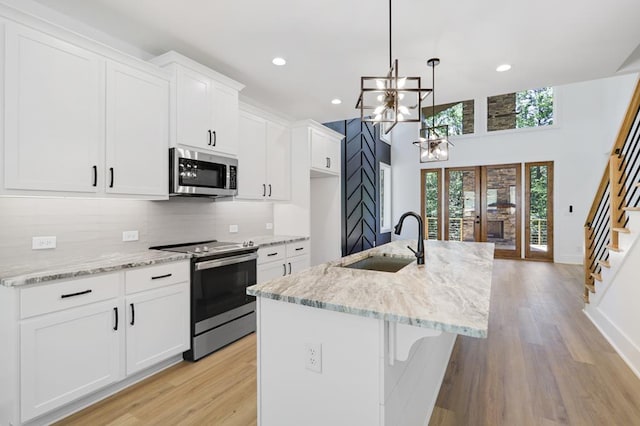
543,363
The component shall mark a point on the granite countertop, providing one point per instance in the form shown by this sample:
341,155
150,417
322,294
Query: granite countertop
24,274
272,240
451,292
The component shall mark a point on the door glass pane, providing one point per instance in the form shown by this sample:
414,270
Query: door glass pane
431,204
462,205
538,208
501,207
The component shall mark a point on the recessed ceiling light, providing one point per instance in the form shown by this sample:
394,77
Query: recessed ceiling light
336,101
279,61
503,68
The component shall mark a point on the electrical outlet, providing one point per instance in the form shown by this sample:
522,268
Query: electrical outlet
130,236
233,228
313,357
43,243
269,225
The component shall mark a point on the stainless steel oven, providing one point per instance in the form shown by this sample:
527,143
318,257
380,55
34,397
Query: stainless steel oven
195,173
221,311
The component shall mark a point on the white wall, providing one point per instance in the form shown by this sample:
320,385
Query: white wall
91,227
588,117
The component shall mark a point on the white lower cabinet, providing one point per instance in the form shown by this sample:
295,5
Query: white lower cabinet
157,325
282,259
68,354
79,336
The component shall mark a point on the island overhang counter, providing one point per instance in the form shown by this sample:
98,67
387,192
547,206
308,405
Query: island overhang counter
345,346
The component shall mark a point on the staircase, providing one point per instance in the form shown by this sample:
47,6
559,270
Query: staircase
612,249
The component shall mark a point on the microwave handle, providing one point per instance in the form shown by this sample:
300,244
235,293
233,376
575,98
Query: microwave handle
226,261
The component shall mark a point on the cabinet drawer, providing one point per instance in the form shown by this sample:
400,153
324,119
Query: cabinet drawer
298,248
141,279
61,295
272,254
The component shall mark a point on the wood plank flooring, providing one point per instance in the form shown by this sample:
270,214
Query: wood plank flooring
543,363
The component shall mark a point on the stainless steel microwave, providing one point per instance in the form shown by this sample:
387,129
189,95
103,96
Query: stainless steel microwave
196,173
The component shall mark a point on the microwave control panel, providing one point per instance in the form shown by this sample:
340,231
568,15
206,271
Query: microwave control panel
233,177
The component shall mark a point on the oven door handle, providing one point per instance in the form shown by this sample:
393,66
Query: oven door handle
225,261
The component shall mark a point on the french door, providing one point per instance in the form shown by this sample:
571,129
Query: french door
483,204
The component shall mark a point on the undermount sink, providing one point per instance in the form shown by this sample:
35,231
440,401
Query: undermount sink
381,263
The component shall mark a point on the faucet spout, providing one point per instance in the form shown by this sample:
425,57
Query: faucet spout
419,253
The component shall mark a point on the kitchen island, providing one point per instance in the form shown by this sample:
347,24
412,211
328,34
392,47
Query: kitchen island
345,346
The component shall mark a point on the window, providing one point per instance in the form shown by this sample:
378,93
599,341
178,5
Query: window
385,197
529,108
459,116
431,190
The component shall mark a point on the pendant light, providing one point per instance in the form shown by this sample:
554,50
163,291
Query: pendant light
434,141
391,99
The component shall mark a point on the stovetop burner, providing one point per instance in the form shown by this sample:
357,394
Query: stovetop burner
206,248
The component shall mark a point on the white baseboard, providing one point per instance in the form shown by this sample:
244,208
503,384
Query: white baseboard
570,260
627,350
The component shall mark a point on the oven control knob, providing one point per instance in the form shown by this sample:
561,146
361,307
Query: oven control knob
205,248
197,250
245,244
250,243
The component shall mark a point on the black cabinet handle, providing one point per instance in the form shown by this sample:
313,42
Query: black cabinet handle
264,190
115,327
80,293
111,173
215,138
300,248
284,269
272,254
161,276
95,175
133,314
329,159
326,162
209,137
289,268
269,190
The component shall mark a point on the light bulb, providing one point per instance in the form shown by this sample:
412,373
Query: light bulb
381,84
404,110
378,110
380,98
400,117
400,96
401,82
378,117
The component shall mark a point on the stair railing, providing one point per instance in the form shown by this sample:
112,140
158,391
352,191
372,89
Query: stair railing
618,192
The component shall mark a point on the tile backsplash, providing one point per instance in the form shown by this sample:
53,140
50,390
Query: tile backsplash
86,227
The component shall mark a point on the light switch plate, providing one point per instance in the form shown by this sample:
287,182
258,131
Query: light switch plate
43,243
269,225
233,228
130,236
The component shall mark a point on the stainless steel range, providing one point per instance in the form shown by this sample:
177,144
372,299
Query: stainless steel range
221,311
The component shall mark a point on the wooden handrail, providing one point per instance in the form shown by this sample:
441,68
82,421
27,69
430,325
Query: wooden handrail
625,128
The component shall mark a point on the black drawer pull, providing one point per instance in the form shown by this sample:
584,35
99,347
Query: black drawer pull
289,268
95,175
272,254
284,267
300,248
115,327
111,173
215,138
161,276
80,293
133,314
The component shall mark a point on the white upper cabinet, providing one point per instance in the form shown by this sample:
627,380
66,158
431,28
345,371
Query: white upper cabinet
54,104
137,132
264,159
204,106
251,157
81,123
278,161
325,152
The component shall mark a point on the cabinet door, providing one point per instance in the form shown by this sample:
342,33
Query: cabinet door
54,104
333,152
68,354
318,150
251,159
297,264
225,119
137,132
278,160
194,109
157,323
269,271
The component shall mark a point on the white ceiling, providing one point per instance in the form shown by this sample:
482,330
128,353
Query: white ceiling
329,44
